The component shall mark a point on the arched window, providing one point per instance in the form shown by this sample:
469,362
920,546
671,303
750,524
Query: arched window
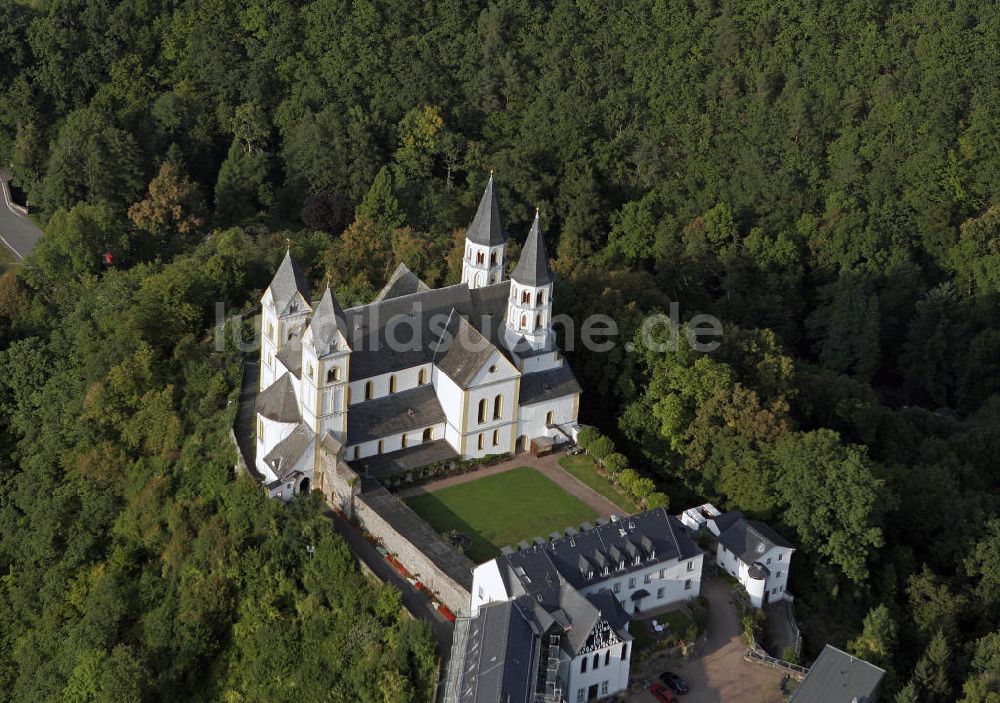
392,383
482,440
468,252
482,410
498,407
549,417
540,298
493,259
496,438
524,322
404,439
270,330
480,257
526,297
333,374
597,660
538,321
428,434
369,389
421,377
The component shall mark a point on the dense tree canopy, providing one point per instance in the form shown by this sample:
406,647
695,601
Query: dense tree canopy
824,178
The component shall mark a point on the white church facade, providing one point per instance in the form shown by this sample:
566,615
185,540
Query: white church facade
419,374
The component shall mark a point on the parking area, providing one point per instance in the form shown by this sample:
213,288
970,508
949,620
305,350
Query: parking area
718,673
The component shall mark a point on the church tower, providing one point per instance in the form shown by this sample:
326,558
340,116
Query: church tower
326,359
529,309
285,310
485,243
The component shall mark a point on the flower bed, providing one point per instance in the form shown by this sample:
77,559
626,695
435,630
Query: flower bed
394,563
448,615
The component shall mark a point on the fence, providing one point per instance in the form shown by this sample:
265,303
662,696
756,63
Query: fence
757,655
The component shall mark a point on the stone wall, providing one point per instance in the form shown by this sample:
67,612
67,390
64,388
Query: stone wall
426,554
340,484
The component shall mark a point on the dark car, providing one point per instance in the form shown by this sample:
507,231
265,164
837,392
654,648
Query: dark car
674,682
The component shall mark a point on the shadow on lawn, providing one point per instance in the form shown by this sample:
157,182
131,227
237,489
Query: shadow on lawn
443,519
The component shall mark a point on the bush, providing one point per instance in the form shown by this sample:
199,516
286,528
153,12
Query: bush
586,436
788,654
615,463
753,625
657,499
601,447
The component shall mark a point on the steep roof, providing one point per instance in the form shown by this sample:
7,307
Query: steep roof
287,281
278,401
838,677
402,282
533,267
748,539
495,657
461,350
487,226
546,385
288,451
327,321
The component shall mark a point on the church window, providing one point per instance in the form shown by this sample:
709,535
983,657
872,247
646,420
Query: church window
369,389
540,298
291,335
549,417
482,410
493,259
421,377
625,651
482,440
538,321
392,383
496,438
498,407
526,297
333,374
428,434
380,446
404,440
480,258
524,322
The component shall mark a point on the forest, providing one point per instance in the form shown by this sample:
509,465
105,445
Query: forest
823,178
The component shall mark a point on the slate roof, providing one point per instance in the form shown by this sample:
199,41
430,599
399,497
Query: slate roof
533,267
499,656
407,459
414,324
838,677
545,385
288,451
461,351
402,282
654,536
278,402
328,323
487,226
291,356
748,539
392,414
288,279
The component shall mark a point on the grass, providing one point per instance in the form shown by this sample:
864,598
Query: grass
582,467
7,259
502,509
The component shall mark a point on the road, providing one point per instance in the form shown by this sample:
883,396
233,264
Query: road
17,232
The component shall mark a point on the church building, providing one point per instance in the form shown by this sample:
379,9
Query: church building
418,375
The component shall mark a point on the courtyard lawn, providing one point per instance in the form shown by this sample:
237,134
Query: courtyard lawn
583,469
501,509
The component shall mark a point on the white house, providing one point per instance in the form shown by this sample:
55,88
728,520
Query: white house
621,567
418,375
754,554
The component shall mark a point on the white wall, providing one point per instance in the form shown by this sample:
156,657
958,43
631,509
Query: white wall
531,418
487,585
541,362
451,399
392,443
405,380
775,585
679,580
273,433
615,672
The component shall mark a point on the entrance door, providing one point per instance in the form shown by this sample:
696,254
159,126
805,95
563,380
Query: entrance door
592,693
767,597
520,445
304,486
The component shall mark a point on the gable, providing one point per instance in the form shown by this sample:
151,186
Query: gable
494,368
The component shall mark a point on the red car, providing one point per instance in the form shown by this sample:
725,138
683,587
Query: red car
662,693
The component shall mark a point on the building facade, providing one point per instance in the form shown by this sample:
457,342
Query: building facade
757,556
418,375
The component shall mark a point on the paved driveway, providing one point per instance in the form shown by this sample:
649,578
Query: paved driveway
17,232
719,674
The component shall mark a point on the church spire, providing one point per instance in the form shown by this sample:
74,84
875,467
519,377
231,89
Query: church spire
327,321
288,280
533,267
487,226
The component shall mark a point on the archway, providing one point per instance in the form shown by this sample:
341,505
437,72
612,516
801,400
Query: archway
304,486
521,444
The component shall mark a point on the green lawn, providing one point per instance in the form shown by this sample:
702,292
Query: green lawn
582,467
502,509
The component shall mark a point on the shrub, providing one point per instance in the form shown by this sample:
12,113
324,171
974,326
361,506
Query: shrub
615,463
753,625
601,447
627,479
657,499
788,654
586,436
